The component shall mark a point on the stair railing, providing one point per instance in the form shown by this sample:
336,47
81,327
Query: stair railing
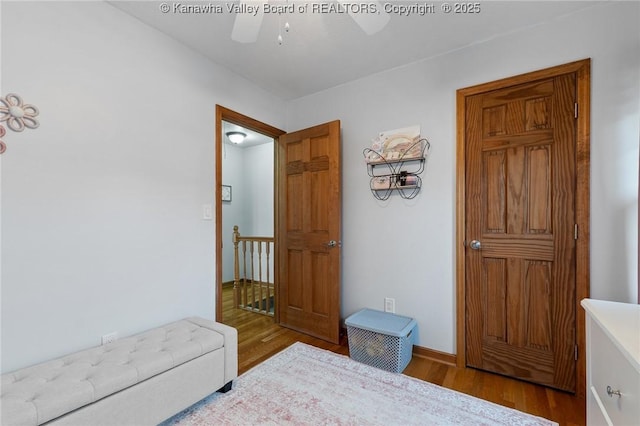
253,285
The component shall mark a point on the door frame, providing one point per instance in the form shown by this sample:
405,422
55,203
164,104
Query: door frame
230,116
582,69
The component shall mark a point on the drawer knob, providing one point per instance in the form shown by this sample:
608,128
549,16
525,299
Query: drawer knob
612,392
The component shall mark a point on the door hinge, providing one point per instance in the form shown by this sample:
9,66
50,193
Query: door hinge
575,231
575,110
575,352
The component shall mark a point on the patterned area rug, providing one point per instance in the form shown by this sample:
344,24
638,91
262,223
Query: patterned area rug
304,385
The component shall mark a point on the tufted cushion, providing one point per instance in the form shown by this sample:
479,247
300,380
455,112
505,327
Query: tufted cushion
37,394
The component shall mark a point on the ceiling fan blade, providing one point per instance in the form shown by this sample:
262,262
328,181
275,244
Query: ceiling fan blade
370,23
247,24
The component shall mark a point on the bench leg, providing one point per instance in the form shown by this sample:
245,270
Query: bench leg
226,388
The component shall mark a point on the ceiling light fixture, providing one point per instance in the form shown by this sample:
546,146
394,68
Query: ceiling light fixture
370,15
287,27
236,137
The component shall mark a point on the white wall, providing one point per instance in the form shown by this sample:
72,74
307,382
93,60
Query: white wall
233,213
259,161
102,224
405,249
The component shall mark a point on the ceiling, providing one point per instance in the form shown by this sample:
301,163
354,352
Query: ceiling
324,50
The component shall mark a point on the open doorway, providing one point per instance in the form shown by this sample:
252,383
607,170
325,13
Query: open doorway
245,196
248,250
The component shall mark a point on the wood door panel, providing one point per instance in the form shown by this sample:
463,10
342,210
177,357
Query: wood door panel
319,264
514,96
294,209
523,363
538,310
494,121
295,167
295,154
517,248
539,191
309,217
537,113
537,137
495,289
515,306
317,164
318,202
495,200
294,291
516,190
520,289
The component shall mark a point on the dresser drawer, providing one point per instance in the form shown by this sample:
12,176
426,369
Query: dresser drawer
595,411
610,368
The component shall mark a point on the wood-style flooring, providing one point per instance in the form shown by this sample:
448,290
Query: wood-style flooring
260,338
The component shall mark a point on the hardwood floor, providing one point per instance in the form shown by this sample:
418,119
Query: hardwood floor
260,338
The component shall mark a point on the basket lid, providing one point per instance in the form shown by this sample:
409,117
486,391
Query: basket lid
381,322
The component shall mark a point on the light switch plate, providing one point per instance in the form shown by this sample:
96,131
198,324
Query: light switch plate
207,212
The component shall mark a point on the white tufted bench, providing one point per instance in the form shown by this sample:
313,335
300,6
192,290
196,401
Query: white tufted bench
143,379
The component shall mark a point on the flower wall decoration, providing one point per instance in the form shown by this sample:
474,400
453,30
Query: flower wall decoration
3,146
17,116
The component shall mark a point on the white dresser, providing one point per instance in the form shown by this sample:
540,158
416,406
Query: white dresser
613,363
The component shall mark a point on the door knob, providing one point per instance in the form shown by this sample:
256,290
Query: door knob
475,245
332,243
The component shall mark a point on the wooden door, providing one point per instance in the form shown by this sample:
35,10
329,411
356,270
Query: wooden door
308,231
520,231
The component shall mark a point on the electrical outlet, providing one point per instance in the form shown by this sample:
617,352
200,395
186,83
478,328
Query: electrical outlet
109,338
390,305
